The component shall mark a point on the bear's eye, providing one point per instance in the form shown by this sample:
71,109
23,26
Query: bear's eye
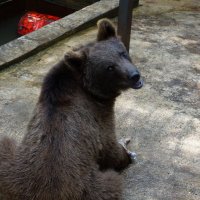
123,54
110,68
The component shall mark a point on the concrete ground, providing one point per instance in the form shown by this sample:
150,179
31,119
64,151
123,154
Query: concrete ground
163,118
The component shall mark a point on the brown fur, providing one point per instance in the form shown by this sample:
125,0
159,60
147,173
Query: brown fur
70,151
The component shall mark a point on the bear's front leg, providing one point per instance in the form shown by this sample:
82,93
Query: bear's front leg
115,155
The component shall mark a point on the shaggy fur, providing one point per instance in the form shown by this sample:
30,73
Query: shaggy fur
70,151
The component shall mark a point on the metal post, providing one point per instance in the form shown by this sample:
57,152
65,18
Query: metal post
125,20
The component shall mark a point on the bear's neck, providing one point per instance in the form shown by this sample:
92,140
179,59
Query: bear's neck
103,98
62,87
100,100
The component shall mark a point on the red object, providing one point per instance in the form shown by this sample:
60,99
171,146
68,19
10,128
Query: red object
32,21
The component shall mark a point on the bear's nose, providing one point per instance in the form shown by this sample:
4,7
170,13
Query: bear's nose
135,77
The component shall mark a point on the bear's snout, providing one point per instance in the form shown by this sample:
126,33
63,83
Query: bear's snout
134,76
135,79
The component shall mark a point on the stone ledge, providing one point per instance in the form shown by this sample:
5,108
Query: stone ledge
25,46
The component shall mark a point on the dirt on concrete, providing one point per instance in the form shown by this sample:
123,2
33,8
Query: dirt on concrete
163,118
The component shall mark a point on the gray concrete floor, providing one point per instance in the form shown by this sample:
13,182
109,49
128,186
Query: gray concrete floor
163,118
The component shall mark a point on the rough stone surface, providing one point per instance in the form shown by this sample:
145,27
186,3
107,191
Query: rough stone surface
163,118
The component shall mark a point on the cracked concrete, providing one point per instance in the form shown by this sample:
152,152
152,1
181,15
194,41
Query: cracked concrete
163,118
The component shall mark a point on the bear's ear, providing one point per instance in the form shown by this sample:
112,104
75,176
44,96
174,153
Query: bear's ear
106,30
76,59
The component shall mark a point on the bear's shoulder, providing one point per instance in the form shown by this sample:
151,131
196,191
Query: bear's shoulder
58,85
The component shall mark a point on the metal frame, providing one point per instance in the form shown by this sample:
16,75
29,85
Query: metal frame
125,20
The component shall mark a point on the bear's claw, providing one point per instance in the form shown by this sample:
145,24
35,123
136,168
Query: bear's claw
124,142
132,155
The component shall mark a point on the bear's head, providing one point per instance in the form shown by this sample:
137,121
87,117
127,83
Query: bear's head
105,66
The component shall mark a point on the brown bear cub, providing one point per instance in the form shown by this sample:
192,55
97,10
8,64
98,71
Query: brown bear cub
70,151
